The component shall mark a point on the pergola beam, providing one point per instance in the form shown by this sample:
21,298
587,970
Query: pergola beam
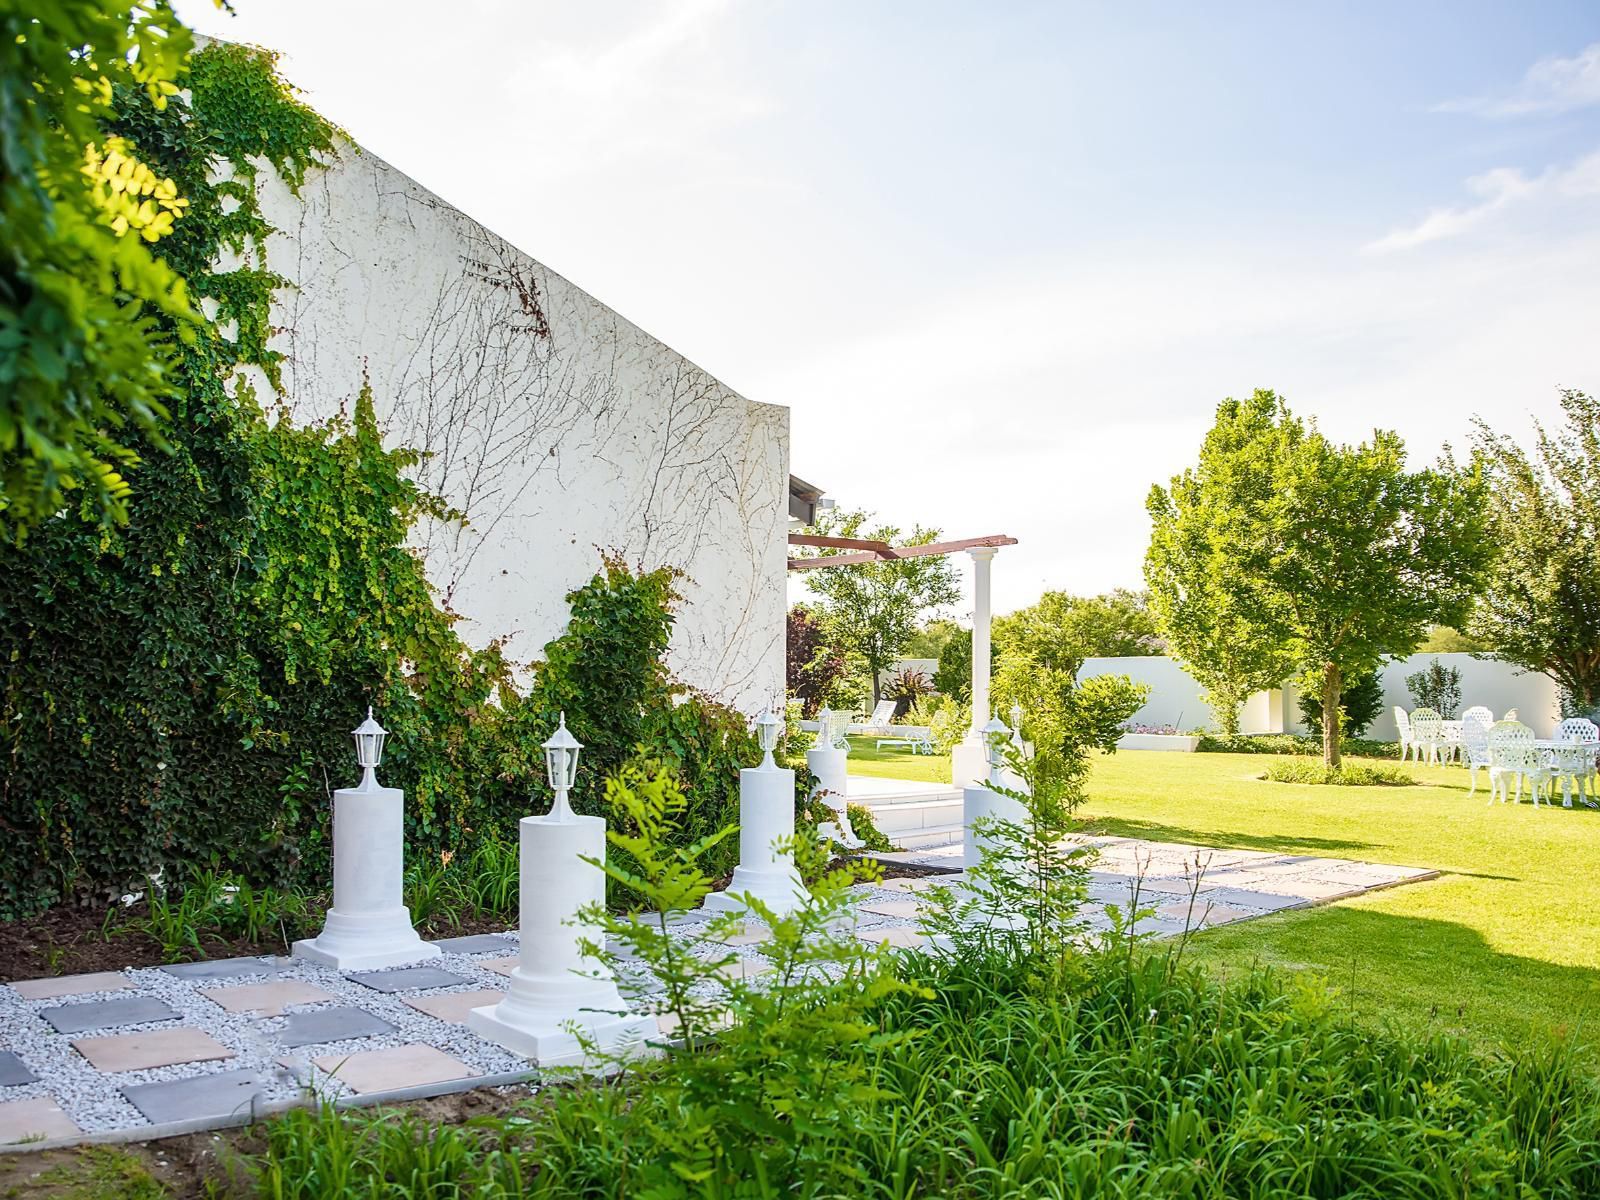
866,552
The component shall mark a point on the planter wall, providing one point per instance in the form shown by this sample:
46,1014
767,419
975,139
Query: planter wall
1158,741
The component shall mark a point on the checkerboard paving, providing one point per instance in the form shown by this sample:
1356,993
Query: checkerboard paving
207,1042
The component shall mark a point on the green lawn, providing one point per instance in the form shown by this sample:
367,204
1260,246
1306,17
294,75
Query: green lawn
1506,942
897,762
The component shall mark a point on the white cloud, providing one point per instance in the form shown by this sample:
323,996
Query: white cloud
1552,85
1497,190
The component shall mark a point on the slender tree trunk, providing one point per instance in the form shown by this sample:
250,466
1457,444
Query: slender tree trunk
1228,714
1332,717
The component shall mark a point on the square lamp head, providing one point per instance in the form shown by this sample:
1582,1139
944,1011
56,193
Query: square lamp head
561,757
369,737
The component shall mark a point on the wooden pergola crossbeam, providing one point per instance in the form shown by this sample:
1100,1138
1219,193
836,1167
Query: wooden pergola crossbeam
865,551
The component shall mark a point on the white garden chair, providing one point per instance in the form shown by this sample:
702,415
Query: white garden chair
1513,754
1575,763
1403,723
1426,733
880,719
832,728
1475,723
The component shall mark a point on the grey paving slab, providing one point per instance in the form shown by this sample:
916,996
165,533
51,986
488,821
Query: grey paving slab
407,978
13,1071
222,968
1248,898
103,1014
203,1097
477,943
331,1025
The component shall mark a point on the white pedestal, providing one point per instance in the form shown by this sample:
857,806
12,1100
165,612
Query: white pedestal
554,987
369,927
766,817
969,762
831,766
978,801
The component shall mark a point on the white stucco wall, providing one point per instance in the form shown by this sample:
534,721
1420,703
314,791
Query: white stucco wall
555,424
1175,697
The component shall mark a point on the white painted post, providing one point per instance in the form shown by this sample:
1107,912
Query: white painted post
369,927
766,817
555,991
969,761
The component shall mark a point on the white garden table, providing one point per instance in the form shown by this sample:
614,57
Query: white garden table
1571,759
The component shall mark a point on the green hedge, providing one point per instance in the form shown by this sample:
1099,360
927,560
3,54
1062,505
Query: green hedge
1291,743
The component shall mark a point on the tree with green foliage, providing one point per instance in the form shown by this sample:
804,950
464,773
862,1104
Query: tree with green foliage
1444,639
1207,562
873,609
85,354
953,677
1541,607
1438,687
1335,556
932,638
1064,630
1361,700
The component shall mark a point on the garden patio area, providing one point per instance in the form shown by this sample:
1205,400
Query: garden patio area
1500,947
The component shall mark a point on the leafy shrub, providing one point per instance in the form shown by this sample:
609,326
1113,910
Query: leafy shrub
948,726
906,684
873,839
814,669
1361,699
924,708
1437,687
953,677
1290,743
1353,774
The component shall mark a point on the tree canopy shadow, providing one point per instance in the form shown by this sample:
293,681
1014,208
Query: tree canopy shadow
1287,843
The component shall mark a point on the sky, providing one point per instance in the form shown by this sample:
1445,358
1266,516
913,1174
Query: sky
1001,262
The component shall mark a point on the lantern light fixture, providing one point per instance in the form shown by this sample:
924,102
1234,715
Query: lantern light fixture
768,726
369,737
995,736
561,765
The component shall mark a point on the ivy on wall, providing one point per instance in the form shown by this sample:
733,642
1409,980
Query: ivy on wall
178,691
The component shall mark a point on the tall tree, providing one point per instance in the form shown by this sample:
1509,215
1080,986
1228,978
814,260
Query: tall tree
1541,607
1207,561
1343,556
814,668
1062,630
873,609
82,355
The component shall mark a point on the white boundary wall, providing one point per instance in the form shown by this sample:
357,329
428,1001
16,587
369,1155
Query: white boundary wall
1175,697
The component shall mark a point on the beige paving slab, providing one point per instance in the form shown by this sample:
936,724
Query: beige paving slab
901,937
1202,913
414,1065
72,985
157,1048
918,883
268,999
454,1006
745,936
745,968
501,966
34,1121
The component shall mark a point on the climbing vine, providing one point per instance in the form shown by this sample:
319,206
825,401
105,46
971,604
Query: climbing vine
177,691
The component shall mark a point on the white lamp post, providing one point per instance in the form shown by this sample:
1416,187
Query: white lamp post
766,817
368,927
554,988
830,764
980,800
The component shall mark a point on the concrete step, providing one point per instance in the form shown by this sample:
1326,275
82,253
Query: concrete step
933,835
920,814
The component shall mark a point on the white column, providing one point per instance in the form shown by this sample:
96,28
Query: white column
369,927
766,818
969,762
554,987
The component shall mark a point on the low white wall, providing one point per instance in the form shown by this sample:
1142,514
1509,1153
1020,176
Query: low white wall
1497,685
1175,697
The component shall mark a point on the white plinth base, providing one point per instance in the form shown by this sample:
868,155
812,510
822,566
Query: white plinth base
781,891
969,763
369,942
533,1022
978,803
